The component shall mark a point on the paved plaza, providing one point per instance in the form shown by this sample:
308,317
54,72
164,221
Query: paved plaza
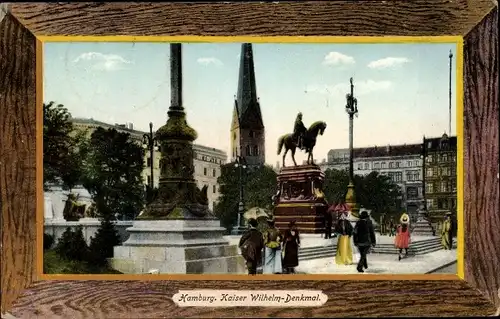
440,261
385,264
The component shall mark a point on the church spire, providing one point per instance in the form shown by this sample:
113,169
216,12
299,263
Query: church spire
246,98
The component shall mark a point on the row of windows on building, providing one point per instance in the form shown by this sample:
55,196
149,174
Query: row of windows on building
441,203
205,172
441,158
397,177
384,165
441,187
440,171
249,151
413,193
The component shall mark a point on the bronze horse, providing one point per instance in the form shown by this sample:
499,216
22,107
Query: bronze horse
309,141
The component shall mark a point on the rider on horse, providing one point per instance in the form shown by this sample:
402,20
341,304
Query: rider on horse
298,131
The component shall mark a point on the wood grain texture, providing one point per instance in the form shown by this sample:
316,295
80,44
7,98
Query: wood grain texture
136,299
481,159
334,18
17,158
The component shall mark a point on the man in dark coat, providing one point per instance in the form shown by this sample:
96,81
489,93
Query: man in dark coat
251,245
364,238
328,220
298,131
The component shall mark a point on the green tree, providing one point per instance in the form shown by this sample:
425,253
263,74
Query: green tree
380,194
335,185
61,162
113,173
71,173
374,191
101,245
72,245
259,185
226,208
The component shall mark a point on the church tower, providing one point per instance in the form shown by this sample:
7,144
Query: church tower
247,127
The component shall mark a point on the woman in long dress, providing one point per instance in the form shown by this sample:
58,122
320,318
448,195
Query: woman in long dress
402,240
291,244
344,230
272,250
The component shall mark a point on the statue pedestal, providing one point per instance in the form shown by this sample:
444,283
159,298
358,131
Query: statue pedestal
423,226
301,199
177,247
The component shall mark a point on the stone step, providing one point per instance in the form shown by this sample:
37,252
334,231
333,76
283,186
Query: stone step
326,253
417,245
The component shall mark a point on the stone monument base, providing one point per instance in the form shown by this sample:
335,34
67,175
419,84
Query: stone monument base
301,199
177,247
422,227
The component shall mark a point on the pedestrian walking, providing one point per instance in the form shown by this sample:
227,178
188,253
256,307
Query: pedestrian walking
291,245
344,249
251,245
328,220
392,228
364,239
272,250
402,240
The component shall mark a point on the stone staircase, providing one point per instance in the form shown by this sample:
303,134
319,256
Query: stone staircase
417,248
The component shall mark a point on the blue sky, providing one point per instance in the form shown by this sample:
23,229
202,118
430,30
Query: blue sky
402,89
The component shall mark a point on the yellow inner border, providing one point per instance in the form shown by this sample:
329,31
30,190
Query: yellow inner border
458,40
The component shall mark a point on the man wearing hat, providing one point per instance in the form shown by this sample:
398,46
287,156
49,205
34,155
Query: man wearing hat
251,245
446,232
364,239
299,130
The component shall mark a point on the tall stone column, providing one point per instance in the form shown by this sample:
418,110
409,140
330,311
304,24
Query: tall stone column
178,196
177,233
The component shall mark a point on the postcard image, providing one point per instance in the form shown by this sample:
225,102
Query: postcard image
250,158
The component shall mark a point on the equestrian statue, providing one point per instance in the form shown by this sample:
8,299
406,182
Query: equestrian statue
302,138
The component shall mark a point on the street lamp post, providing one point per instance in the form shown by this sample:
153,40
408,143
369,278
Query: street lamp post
149,142
422,157
351,109
450,56
239,228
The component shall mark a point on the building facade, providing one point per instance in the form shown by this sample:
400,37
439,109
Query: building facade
247,134
207,160
402,163
440,175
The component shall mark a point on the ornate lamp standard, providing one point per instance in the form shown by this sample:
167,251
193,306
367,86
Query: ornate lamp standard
423,158
450,56
351,109
239,228
149,142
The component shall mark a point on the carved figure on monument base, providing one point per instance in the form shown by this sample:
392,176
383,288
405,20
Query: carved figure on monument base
73,210
179,200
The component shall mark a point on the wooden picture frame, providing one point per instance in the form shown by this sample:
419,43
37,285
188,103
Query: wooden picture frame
25,295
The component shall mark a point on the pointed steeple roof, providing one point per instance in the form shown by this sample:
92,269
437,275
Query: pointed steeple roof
247,103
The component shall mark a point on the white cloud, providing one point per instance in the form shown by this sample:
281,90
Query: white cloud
208,61
389,62
337,58
360,88
106,62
